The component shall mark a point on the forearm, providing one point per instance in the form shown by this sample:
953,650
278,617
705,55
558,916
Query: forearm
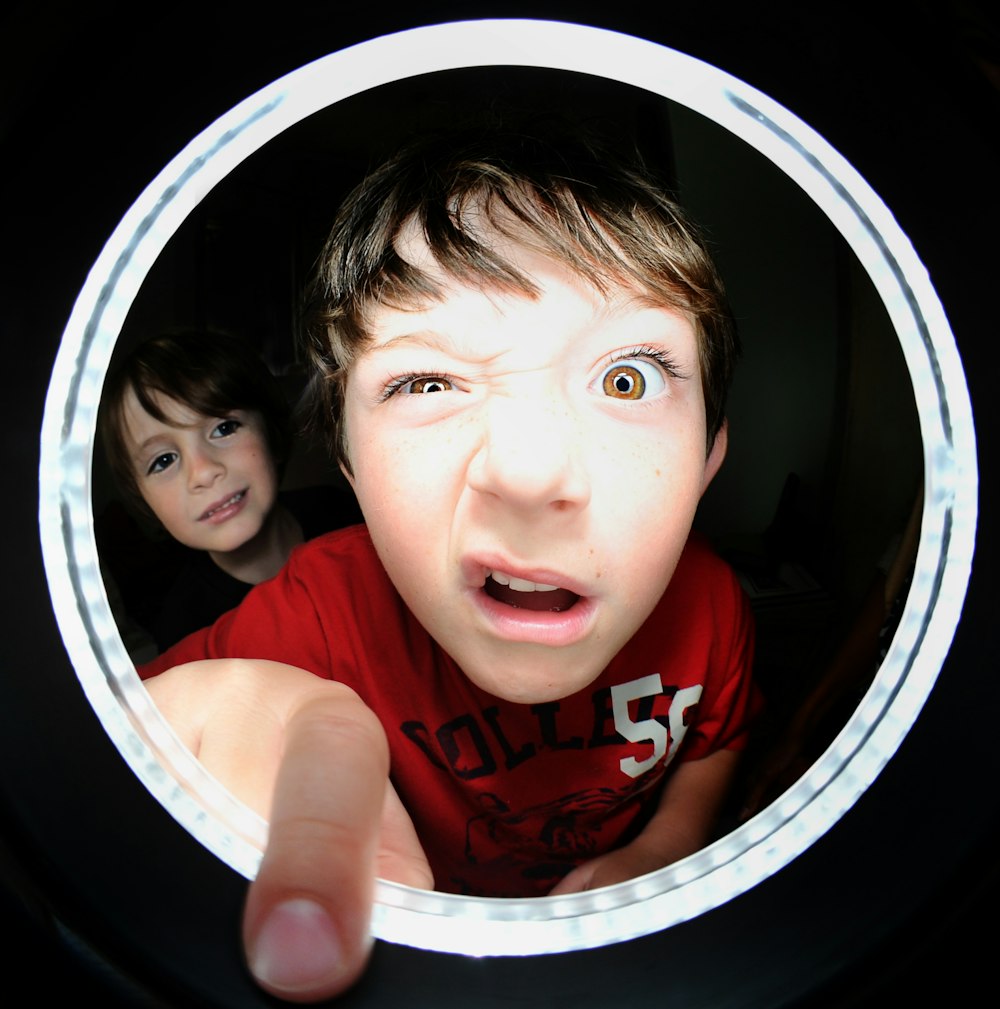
684,822
689,808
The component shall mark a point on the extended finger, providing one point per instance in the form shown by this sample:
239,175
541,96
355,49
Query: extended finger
306,923
401,857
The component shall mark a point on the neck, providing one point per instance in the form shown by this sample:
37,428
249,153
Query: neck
263,556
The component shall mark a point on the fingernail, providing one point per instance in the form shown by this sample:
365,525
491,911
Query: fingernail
296,948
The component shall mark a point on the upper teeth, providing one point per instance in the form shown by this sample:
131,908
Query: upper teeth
226,504
521,584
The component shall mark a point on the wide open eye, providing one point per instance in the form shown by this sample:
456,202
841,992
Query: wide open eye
631,379
427,383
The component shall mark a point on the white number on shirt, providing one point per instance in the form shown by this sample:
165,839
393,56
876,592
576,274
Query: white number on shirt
649,730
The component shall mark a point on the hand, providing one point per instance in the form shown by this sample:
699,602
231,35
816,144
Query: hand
310,755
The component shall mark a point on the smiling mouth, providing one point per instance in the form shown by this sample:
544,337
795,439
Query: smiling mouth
522,594
228,503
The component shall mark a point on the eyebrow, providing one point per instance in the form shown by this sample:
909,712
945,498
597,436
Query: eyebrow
172,423
142,449
432,339
419,337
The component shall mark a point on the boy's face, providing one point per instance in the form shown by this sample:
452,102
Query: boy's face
502,445
210,481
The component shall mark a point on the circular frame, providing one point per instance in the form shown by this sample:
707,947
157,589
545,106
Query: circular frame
779,833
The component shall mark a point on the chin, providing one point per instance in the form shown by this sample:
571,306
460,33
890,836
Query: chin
534,690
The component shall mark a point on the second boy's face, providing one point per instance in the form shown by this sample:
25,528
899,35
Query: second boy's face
529,470
211,481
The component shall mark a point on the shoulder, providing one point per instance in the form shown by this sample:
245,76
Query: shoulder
701,570
353,540
704,603
348,552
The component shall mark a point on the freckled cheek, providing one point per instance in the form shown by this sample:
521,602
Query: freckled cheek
388,482
644,508
422,464
643,470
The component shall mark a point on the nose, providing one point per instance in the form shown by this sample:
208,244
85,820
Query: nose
530,455
204,468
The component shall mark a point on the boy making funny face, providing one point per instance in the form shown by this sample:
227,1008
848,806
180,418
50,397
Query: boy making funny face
537,678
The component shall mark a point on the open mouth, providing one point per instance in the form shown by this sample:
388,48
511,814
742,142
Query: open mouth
525,595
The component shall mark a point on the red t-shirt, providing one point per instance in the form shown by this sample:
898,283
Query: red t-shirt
505,797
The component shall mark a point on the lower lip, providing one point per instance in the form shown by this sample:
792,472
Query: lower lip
540,627
224,514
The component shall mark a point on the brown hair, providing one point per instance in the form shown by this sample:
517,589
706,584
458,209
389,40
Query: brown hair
573,199
211,373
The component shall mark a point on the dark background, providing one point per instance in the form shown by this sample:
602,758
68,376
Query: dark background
894,902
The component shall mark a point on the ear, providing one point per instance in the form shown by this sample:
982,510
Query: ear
346,470
716,455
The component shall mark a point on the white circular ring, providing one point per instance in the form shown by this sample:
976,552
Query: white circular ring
739,860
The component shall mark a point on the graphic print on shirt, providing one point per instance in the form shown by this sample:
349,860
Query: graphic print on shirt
639,725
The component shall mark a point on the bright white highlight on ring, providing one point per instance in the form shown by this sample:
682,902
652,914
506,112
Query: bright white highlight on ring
783,830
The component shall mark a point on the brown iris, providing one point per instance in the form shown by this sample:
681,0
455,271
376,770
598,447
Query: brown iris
424,385
624,382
